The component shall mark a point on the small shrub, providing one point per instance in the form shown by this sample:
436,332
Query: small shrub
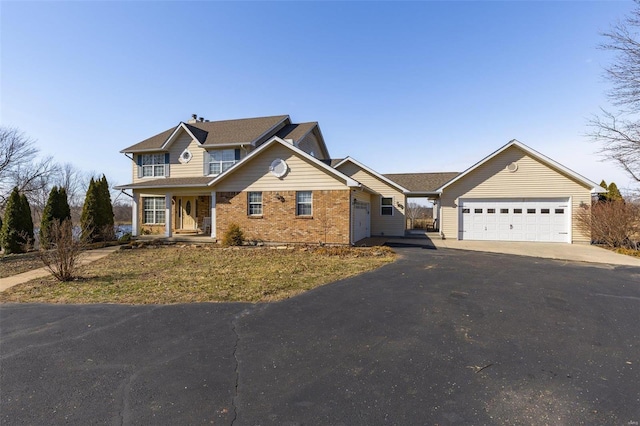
62,259
234,236
612,223
125,238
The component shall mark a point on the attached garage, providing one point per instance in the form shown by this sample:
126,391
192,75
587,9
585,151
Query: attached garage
515,194
546,220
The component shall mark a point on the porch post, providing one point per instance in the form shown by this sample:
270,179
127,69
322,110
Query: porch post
134,214
167,214
213,214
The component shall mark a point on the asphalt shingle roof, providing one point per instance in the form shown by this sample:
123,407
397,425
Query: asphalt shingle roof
169,182
245,130
421,182
295,131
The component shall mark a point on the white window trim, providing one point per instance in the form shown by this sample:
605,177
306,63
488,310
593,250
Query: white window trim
298,203
155,211
153,165
250,203
230,163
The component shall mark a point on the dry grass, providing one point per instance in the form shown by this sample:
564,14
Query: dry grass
14,264
186,274
628,251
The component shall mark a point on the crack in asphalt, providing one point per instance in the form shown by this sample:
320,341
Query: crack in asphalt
236,372
234,328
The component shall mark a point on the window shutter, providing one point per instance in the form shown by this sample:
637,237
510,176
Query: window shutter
166,164
205,170
237,153
139,165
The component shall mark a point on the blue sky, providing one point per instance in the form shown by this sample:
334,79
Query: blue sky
400,86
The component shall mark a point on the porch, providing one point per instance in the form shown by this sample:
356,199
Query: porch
173,216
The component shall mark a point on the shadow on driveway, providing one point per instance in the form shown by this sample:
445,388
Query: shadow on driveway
438,337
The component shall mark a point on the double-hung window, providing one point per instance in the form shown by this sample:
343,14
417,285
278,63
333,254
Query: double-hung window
254,200
386,206
152,165
220,160
304,203
154,210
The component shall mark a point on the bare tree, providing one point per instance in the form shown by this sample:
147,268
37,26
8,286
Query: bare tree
63,258
73,181
415,211
20,165
619,132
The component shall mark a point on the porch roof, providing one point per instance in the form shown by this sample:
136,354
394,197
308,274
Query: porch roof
182,182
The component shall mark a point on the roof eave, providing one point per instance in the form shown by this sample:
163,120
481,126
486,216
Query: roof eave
349,182
373,172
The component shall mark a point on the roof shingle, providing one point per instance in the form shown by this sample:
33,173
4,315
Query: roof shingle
245,130
421,182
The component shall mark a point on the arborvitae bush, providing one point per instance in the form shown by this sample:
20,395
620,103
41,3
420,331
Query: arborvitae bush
97,213
88,219
17,228
234,236
56,210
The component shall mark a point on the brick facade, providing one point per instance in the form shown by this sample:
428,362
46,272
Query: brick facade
329,223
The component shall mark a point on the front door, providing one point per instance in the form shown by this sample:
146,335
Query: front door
187,212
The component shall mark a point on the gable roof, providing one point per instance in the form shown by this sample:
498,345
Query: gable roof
297,132
212,133
595,188
372,172
422,182
276,140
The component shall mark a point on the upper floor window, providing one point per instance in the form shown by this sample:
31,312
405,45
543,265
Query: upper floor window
220,160
304,203
386,206
152,165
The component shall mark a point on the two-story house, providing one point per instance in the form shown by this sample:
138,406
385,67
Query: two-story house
276,180
272,177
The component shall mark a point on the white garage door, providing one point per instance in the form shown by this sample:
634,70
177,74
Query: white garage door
361,219
515,220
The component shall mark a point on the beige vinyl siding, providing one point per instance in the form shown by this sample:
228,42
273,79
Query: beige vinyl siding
533,179
302,175
380,225
310,144
193,167
177,169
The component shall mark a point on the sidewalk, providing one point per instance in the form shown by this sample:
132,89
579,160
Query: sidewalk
87,257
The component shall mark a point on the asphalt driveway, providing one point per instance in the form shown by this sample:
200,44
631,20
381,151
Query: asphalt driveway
439,337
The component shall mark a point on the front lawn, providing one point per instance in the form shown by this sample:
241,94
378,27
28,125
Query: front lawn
14,264
202,274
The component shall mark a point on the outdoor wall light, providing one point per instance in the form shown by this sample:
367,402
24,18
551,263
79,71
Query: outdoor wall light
279,197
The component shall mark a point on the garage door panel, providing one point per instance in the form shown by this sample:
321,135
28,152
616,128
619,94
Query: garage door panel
515,220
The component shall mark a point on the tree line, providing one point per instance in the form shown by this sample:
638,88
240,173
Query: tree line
38,190
35,176
96,222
